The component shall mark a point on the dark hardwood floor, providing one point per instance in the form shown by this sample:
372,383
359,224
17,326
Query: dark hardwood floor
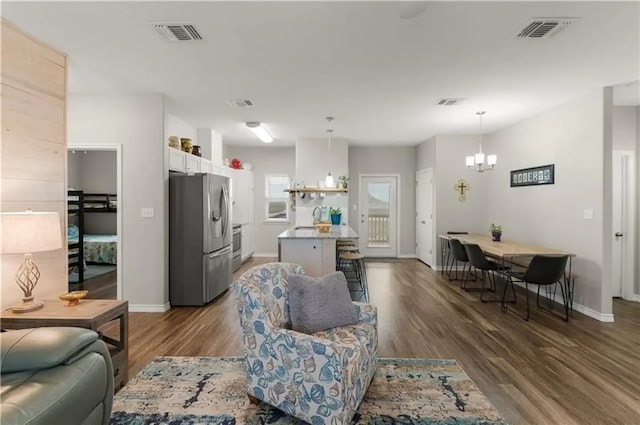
545,371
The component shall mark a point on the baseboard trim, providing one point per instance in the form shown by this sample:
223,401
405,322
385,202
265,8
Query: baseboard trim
149,308
593,314
407,256
634,297
265,254
601,317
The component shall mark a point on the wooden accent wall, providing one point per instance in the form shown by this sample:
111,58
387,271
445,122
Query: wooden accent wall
33,150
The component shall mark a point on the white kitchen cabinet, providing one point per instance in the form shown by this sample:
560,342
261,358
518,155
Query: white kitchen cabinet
316,256
187,163
247,241
193,164
177,160
206,166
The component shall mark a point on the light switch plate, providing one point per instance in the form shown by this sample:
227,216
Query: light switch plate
147,212
588,214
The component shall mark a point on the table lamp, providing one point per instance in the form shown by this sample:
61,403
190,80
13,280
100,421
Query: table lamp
25,233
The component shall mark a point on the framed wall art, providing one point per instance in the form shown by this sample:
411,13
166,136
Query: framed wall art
535,176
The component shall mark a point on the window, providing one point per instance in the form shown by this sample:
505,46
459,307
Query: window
277,199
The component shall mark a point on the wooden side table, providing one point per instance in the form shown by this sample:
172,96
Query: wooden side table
89,314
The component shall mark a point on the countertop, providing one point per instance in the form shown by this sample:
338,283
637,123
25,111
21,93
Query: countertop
336,232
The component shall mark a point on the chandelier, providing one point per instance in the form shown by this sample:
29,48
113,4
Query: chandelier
477,161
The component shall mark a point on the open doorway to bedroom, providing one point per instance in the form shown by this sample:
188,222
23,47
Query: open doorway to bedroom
93,209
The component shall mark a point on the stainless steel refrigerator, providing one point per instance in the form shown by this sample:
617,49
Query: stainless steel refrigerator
200,231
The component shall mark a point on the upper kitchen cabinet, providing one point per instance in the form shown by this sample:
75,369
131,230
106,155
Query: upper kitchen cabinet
187,163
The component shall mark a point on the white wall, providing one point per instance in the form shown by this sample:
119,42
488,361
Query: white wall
73,170
571,136
176,126
265,160
211,143
313,162
137,122
426,154
624,128
389,160
451,214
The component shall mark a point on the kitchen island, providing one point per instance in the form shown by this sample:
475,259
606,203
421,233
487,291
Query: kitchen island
314,251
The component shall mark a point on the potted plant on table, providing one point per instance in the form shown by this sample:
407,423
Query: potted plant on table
336,215
496,232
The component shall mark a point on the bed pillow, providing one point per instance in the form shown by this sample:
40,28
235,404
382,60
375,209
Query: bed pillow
317,304
73,232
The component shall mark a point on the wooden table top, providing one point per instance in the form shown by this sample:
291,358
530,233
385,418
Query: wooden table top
505,248
57,309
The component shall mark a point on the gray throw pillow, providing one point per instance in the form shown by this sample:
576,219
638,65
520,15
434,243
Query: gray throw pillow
317,304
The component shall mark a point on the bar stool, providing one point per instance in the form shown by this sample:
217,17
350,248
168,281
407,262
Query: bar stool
347,242
344,249
356,262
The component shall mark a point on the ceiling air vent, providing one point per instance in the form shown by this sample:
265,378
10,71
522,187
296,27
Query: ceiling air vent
450,101
240,103
178,32
544,27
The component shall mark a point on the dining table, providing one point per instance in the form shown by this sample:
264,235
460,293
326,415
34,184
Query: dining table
513,252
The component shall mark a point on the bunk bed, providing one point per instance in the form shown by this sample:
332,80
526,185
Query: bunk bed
75,235
89,248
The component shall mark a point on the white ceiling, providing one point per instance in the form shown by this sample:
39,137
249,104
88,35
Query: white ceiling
369,64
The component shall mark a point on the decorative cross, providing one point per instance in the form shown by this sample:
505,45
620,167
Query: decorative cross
461,187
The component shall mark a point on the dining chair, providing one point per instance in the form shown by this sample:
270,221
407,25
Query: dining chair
448,258
459,256
489,269
544,270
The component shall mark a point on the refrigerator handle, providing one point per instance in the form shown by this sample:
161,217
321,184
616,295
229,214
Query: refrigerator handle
222,252
223,211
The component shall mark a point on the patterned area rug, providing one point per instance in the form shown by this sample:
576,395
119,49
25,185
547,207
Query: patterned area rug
211,390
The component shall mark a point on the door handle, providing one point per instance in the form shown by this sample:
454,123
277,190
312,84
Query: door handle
618,234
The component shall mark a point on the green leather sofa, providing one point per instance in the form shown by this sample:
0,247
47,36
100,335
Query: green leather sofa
54,376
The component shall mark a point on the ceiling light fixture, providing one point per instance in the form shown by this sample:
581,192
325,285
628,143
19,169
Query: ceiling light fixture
477,161
329,181
260,131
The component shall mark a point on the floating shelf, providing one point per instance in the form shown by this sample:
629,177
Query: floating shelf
316,189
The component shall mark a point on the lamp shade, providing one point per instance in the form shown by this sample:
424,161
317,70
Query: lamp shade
27,232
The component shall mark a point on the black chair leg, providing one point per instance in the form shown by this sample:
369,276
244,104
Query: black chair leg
527,295
491,277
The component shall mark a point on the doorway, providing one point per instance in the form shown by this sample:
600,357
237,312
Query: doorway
424,216
94,205
379,215
623,246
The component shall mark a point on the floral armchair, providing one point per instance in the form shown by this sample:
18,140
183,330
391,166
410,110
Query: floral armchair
319,378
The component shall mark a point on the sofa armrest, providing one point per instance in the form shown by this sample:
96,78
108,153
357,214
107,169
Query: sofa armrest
42,348
367,313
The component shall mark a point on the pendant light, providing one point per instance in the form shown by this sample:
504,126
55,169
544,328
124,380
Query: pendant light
329,181
477,161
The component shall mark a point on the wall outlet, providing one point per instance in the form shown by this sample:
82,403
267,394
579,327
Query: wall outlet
588,214
147,212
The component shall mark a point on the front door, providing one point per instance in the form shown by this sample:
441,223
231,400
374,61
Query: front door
424,216
378,216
